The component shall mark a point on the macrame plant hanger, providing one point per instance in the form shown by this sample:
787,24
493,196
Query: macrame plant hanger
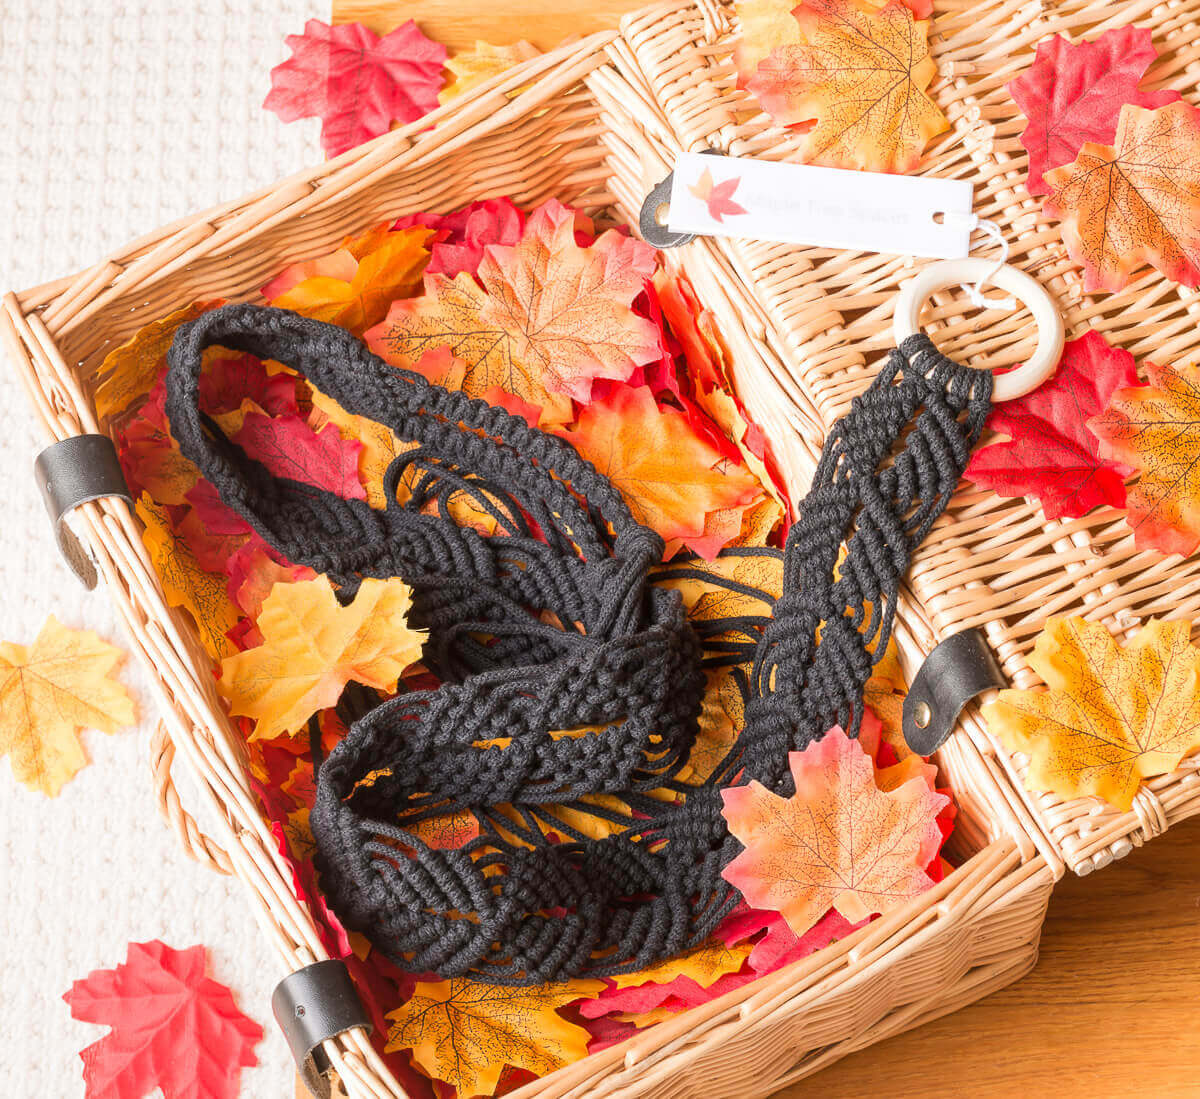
556,622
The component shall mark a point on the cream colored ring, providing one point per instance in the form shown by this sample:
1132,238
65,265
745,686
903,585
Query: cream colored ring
940,276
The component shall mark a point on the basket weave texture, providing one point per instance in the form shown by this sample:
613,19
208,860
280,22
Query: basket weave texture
588,124
991,563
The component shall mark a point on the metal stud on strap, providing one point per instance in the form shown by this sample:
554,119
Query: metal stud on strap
957,670
70,473
312,1005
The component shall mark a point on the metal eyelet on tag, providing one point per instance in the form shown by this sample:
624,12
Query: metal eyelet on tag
652,222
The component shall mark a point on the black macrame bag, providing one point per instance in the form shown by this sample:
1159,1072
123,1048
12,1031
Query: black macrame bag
554,623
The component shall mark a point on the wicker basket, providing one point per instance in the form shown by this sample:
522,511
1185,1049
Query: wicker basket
591,129
992,563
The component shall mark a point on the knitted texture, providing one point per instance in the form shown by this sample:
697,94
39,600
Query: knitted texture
555,623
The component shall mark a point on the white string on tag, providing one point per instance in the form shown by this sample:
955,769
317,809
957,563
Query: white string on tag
974,291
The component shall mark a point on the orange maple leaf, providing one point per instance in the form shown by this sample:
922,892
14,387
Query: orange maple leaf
549,319
718,197
669,476
839,841
129,371
464,1032
862,73
48,692
1135,202
203,594
1113,715
386,266
1155,429
313,646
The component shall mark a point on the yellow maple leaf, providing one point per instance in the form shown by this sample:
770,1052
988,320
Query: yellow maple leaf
862,74
464,1032
204,595
312,647
766,25
838,842
1112,716
389,267
703,964
48,692
1155,429
470,68
1135,202
549,318
129,371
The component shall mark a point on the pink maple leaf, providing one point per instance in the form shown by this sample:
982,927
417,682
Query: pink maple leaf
356,83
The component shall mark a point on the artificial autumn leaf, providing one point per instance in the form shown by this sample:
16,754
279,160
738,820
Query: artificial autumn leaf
838,842
460,237
1136,202
391,269
185,583
1113,715
296,846
313,647
253,570
766,25
172,1027
229,382
473,67
1155,429
129,372
668,475
717,197
550,318
862,73
1051,453
686,977
289,448
356,83
464,1032
49,691
1074,91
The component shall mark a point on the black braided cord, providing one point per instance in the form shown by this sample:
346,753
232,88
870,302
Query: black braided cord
555,622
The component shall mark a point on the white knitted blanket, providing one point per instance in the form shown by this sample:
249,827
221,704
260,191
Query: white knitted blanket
115,117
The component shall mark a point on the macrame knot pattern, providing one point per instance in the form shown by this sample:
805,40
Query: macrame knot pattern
553,624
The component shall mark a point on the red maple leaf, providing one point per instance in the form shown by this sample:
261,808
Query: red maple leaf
1073,94
1052,454
288,447
461,236
718,197
356,83
172,1027
226,382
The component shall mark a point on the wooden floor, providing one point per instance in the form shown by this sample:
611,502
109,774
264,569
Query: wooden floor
1111,1011
1113,1008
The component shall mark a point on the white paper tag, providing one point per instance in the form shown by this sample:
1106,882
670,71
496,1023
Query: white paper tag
825,207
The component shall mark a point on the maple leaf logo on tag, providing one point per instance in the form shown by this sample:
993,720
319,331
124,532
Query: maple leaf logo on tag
718,197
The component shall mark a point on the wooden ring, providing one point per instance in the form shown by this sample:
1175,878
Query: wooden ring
940,276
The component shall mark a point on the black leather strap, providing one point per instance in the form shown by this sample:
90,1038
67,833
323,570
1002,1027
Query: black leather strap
70,473
312,1005
957,670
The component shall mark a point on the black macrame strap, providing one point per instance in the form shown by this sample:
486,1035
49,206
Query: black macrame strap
555,623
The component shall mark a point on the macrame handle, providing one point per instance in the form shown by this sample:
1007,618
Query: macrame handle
554,625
